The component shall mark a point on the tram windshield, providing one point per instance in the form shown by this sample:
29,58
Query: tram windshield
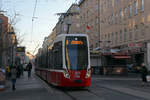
76,53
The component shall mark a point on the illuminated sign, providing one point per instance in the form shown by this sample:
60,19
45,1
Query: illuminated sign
20,49
76,42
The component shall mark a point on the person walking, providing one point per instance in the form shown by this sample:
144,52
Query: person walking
29,67
13,77
18,71
21,67
144,73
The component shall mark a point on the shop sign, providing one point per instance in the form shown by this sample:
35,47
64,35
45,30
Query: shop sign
135,45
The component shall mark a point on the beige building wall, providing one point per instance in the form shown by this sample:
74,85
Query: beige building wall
89,17
71,18
124,21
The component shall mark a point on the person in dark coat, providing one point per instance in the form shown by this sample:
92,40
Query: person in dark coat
29,67
13,76
144,73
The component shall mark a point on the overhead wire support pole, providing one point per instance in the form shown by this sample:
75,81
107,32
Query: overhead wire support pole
99,23
68,14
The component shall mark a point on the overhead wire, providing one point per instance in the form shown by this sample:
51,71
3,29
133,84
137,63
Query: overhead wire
33,17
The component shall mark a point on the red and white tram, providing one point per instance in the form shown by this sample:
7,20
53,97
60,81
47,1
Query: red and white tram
66,62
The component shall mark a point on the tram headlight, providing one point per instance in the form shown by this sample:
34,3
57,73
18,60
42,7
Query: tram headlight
88,73
66,74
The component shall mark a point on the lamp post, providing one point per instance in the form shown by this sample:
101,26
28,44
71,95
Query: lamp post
13,46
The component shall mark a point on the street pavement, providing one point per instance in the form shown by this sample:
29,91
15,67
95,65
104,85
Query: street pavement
102,88
30,89
129,85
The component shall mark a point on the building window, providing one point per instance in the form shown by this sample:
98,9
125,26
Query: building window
112,37
125,11
142,30
130,10
113,18
0,29
120,13
130,34
116,37
108,36
136,7
125,34
136,32
120,35
116,1
116,17
142,5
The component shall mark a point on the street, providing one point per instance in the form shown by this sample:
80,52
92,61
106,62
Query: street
102,88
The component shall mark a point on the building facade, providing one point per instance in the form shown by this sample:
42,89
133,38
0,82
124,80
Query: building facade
8,42
121,25
90,21
4,46
126,24
69,22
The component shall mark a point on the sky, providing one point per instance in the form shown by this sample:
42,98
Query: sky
33,32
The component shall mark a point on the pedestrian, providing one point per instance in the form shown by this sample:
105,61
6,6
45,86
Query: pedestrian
29,67
13,77
21,67
18,71
144,73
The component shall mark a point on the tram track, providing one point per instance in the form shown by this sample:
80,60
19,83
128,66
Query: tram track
93,93
70,92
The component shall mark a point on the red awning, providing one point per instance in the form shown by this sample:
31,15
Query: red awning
122,57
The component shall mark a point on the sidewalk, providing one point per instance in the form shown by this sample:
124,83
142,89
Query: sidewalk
26,89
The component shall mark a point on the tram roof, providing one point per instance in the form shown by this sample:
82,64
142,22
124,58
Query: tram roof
62,36
78,34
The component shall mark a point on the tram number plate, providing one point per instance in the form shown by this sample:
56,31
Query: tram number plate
78,81
77,74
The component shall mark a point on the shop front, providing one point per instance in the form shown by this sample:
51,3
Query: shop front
136,50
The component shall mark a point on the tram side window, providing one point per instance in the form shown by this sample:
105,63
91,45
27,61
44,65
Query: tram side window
51,60
48,59
57,55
